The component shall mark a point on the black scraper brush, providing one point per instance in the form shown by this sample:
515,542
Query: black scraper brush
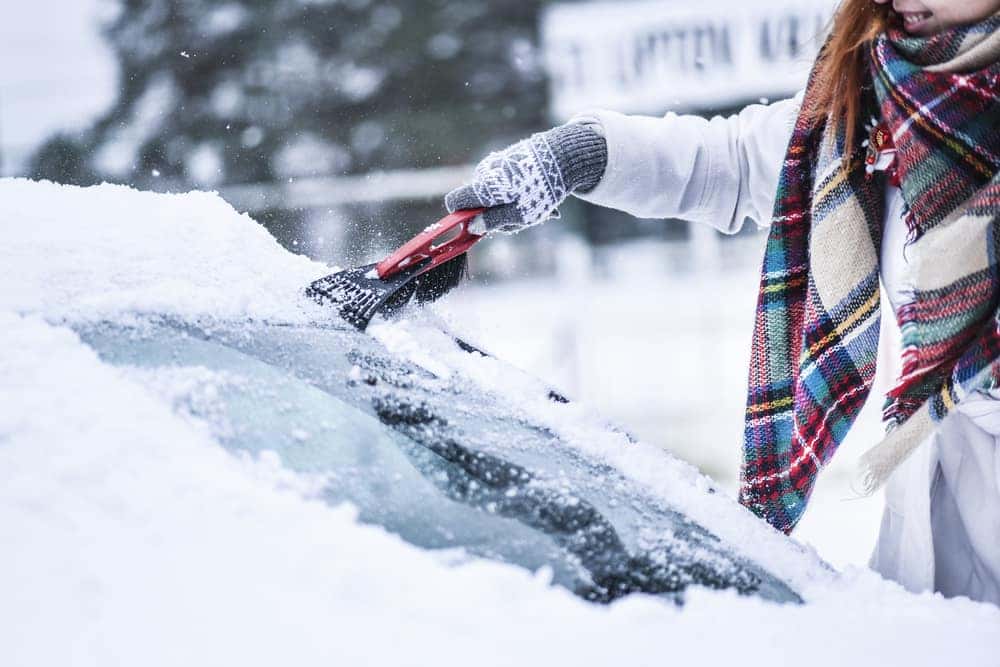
425,268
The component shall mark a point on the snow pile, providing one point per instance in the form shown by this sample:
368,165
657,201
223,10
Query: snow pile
129,536
104,251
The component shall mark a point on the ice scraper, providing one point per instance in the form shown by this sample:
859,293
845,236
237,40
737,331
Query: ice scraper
428,266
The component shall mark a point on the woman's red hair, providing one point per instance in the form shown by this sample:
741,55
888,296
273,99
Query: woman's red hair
842,67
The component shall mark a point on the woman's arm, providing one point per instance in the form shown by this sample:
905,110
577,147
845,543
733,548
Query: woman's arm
719,171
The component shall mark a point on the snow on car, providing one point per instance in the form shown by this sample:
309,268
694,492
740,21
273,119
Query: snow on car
198,464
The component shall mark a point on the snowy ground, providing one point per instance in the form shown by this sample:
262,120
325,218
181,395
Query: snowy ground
129,536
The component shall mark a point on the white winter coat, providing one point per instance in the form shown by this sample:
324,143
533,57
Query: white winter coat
941,526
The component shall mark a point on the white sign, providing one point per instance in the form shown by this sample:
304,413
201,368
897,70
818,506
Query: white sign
680,55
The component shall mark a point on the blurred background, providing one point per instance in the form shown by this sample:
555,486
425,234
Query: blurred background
340,124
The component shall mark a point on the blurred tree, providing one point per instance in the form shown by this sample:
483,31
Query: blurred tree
64,159
233,91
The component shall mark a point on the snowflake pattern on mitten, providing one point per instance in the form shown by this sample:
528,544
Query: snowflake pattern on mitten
526,174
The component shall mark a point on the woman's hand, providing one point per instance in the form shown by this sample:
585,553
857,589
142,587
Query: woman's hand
523,185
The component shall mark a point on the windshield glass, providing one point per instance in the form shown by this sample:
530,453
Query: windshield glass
430,459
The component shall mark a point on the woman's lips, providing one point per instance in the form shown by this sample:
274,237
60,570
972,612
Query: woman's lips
914,21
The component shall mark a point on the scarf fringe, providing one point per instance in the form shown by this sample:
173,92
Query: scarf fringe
878,463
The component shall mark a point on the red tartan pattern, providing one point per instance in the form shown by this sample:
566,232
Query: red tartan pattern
815,347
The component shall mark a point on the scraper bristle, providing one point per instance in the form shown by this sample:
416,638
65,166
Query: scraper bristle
358,294
440,280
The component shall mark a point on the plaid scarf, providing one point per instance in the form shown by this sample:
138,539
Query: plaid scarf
817,325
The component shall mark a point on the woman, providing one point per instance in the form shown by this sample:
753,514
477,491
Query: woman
882,172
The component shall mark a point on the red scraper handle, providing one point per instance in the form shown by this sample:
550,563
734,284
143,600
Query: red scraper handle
422,246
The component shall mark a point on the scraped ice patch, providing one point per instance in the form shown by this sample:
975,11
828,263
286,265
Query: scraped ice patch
423,351
98,252
192,392
131,537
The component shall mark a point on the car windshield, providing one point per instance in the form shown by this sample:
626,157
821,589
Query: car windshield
433,459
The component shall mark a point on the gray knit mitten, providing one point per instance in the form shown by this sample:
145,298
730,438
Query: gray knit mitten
523,185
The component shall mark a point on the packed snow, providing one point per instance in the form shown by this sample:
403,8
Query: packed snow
107,251
128,535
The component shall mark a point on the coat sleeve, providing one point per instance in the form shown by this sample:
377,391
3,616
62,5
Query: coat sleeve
718,172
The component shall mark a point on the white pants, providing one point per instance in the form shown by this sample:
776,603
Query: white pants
941,526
